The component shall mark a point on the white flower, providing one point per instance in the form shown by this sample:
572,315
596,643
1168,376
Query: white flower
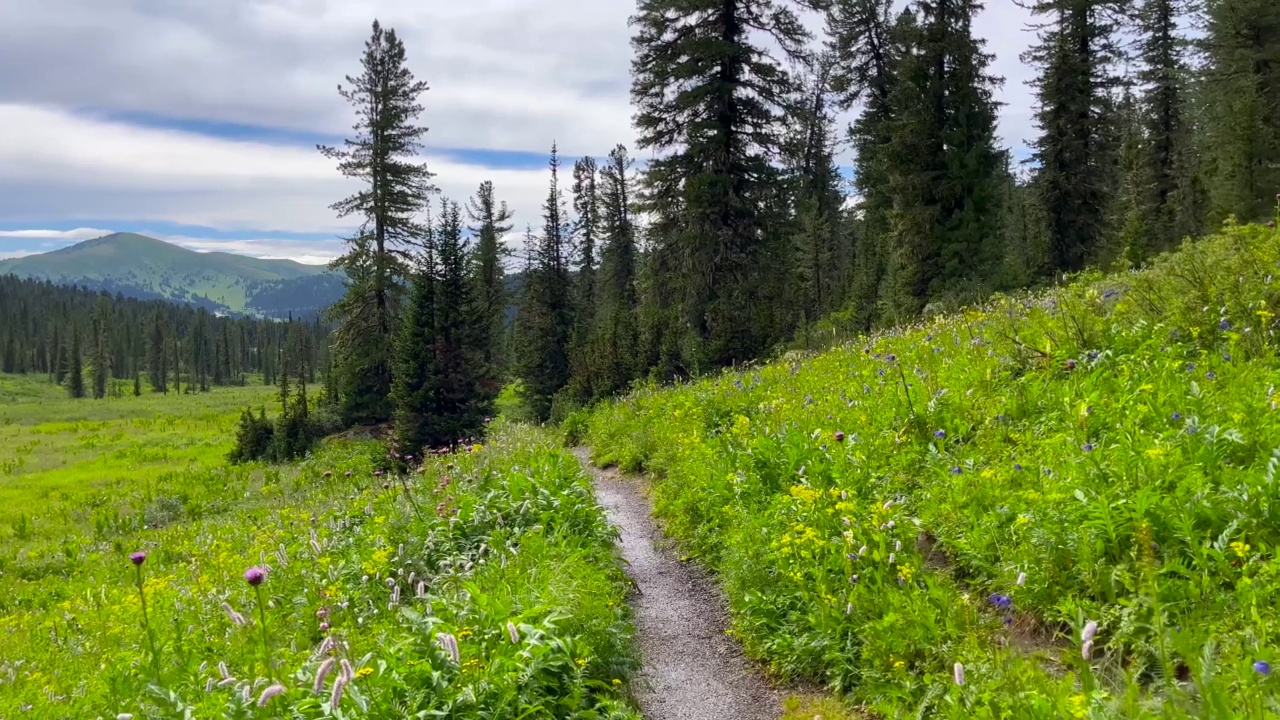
957,674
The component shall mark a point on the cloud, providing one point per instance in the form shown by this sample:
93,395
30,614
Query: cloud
75,234
58,164
308,252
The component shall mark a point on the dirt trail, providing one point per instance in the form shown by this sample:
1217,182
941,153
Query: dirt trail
690,669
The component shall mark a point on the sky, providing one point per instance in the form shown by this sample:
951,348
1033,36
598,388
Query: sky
195,121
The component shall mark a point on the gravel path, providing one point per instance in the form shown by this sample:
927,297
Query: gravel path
690,669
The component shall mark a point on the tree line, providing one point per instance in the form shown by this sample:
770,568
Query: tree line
95,343
1156,121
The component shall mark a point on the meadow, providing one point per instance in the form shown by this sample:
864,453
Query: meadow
141,575
1059,504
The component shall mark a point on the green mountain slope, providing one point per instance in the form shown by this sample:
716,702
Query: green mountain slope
139,266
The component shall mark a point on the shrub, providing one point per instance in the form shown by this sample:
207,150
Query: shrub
254,436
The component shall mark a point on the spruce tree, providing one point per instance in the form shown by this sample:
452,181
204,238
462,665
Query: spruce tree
416,388
75,366
614,347
463,402
545,315
708,99
382,155
1075,153
586,227
157,363
491,222
101,348
865,42
1242,85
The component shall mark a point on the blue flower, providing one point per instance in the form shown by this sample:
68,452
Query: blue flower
1191,367
1017,467
1226,356
1211,375
956,470
939,434
1224,324
1088,447
1262,667
892,358
1004,602
1176,416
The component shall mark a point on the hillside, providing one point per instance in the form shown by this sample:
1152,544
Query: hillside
149,269
1052,505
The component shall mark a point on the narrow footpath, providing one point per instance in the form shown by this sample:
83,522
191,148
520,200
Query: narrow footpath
690,669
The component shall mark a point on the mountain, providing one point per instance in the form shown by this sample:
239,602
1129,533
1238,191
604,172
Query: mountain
143,267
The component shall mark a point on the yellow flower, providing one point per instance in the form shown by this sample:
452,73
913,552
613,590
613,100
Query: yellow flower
905,571
381,556
1076,705
1155,452
898,665
1240,549
616,682
364,672
582,662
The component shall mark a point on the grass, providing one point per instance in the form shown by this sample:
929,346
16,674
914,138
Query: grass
499,552
976,488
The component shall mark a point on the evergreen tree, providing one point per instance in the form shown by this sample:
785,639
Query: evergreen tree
1075,153
460,337
865,42
585,231
385,97
943,164
491,223
75,366
137,384
59,358
614,345
157,363
1242,84
545,315
101,348
708,102
416,388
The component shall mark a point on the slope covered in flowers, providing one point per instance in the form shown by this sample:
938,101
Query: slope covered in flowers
483,584
1054,505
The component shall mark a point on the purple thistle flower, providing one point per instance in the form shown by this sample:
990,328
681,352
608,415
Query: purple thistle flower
1262,667
323,672
138,558
269,693
255,575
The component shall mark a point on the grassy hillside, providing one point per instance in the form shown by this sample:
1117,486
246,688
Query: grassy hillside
979,488
371,578
144,267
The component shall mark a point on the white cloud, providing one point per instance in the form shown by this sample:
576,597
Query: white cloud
76,234
54,163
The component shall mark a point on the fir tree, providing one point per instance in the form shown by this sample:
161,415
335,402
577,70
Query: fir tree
545,315
460,336
491,223
157,363
382,155
708,103
75,366
614,345
586,227
101,348
1242,84
416,389
1075,153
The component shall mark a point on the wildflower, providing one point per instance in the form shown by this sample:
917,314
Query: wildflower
1090,630
1086,650
1022,579
1088,447
364,672
892,557
236,617
377,473
347,474
138,558
839,436
513,633
348,672
862,551
1071,363
1004,602
957,674
1191,367
324,627
450,644
956,470
323,672
255,575
322,613
1262,667
269,693
1176,416
1224,324
1211,375
336,697
124,716
326,645
226,681
940,434
328,473
1017,467
897,545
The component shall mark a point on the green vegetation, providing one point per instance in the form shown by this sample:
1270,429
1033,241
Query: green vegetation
1069,494
484,584
142,267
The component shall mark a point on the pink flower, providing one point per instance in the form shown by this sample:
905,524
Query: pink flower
138,558
269,693
236,617
338,684
513,633
255,575
323,672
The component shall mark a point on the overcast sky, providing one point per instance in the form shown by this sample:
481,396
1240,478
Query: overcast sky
196,120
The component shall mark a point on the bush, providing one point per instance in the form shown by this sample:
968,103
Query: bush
254,437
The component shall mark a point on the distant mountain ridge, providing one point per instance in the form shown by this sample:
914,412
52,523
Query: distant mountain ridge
143,267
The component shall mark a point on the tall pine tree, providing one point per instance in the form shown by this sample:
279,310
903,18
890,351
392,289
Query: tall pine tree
491,222
383,156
